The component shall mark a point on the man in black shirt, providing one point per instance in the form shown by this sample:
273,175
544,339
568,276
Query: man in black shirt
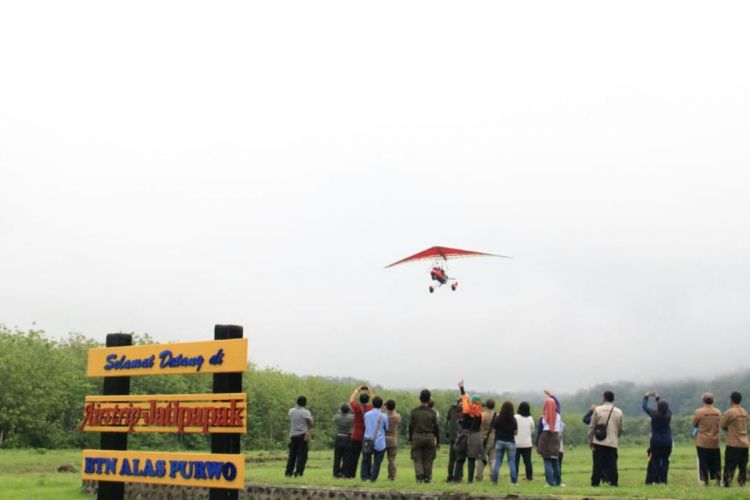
453,420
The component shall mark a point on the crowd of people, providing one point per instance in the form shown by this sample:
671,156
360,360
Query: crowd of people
482,438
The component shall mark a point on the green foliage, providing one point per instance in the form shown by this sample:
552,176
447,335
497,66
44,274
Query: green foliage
683,396
44,385
43,388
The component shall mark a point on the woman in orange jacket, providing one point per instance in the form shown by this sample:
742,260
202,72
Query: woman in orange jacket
468,443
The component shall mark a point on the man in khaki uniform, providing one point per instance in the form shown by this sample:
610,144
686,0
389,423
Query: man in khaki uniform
424,437
487,435
734,423
391,437
707,419
605,450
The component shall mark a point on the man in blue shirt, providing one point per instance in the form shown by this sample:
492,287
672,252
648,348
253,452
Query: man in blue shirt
376,423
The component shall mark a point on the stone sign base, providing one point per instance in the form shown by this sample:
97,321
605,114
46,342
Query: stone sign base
137,491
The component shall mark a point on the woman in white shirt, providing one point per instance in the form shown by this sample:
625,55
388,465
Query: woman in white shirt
523,440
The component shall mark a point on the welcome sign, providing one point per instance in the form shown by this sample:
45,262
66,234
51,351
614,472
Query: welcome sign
215,356
166,413
206,470
117,412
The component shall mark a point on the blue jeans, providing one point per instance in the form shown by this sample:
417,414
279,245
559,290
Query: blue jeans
501,447
371,465
552,471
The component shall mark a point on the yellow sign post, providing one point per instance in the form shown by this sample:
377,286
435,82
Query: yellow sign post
117,413
166,413
206,470
215,356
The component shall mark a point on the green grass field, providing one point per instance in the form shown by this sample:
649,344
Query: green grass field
28,474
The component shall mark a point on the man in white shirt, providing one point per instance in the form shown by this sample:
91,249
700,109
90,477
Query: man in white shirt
609,417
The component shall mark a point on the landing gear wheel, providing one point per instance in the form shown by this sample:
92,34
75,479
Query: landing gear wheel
432,288
454,285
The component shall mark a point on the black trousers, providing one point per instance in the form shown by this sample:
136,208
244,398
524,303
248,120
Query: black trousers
354,452
341,449
605,461
525,454
295,464
458,469
658,465
451,462
733,458
709,464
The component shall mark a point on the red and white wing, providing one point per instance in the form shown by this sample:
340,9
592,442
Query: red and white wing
445,253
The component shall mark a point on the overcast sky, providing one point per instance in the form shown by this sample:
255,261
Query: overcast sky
166,166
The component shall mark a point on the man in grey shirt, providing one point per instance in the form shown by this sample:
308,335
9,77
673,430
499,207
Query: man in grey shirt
344,423
301,422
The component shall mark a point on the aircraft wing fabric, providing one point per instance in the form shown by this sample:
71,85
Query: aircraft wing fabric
445,253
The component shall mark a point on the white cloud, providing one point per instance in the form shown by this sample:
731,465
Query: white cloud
168,165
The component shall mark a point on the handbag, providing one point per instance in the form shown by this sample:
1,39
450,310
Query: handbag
461,443
368,445
492,428
600,431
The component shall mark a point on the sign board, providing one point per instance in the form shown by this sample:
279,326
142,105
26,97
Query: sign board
206,470
226,413
215,356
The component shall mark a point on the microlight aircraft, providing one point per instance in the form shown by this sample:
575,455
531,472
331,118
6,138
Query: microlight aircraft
439,257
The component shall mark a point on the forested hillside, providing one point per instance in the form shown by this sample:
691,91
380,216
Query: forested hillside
683,396
44,384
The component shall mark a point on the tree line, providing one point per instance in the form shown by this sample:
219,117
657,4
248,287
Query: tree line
44,384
